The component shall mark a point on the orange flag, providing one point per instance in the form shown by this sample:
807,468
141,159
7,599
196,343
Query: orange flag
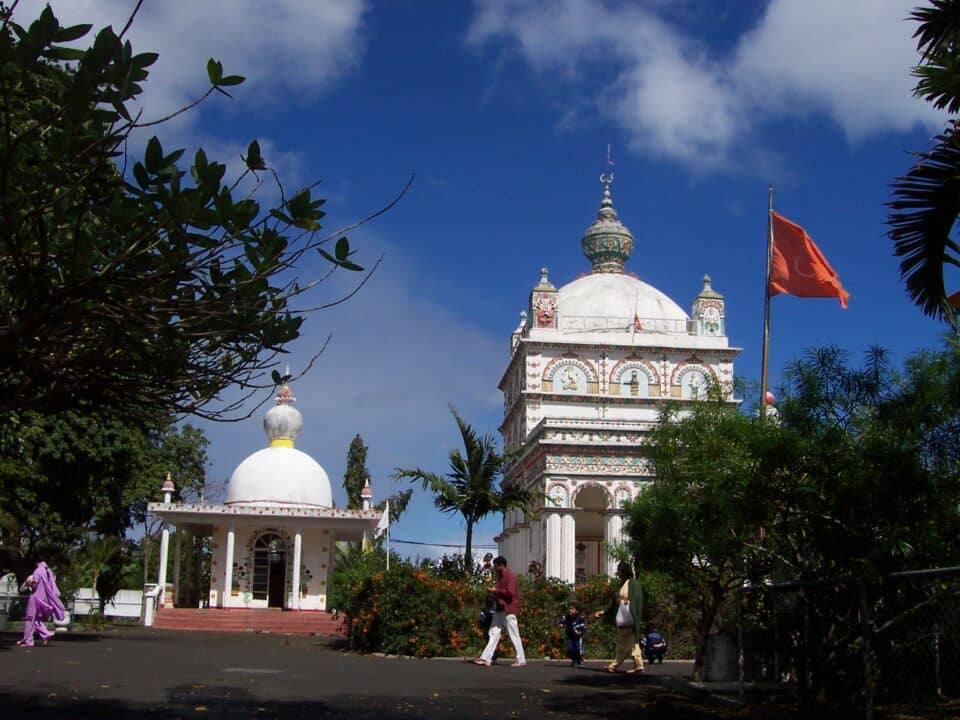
798,267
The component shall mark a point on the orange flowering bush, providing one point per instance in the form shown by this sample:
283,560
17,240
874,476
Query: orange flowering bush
418,610
406,610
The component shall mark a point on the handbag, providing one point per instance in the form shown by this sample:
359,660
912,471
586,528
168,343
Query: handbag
624,617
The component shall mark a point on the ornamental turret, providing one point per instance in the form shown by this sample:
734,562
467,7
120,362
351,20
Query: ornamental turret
543,303
283,422
607,243
708,313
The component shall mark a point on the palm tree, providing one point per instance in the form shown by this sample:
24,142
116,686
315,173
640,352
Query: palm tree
97,557
927,199
471,488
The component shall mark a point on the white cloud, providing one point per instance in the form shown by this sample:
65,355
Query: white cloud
290,48
676,97
850,60
398,357
299,45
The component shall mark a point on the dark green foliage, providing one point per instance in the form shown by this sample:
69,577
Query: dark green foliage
356,475
66,475
133,288
860,478
926,200
132,291
700,521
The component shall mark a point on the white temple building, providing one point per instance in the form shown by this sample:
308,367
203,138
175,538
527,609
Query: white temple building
591,365
273,539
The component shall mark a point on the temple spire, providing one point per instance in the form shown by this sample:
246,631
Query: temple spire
607,243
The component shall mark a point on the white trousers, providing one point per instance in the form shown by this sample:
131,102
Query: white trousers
513,632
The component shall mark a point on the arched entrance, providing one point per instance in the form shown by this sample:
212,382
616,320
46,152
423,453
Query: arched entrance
591,555
270,569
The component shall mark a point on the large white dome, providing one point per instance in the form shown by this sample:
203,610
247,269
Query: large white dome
617,295
280,475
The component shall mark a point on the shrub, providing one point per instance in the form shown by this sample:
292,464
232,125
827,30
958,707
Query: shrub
405,610
429,609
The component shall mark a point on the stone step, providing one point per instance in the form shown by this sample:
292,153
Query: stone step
243,620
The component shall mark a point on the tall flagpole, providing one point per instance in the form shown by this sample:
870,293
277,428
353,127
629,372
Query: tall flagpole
766,308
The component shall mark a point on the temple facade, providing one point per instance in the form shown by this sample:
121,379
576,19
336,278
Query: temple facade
591,365
273,539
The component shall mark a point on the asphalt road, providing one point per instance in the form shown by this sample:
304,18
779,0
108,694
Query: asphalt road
141,673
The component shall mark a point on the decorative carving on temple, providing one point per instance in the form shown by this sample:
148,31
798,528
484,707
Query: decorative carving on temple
557,495
545,307
570,375
621,495
543,302
635,378
692,380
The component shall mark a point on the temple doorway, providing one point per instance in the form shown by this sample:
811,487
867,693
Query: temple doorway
270,569
591,552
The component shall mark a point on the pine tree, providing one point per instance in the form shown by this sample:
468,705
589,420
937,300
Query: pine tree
357,474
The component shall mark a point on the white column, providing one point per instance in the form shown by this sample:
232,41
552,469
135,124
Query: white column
164,556
613,533
297,552
177,552
227,594
554,549
536,530
525,548
569,553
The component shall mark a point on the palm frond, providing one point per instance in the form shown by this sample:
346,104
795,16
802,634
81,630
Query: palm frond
938,40
925,208
939,27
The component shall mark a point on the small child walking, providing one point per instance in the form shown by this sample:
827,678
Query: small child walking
574,626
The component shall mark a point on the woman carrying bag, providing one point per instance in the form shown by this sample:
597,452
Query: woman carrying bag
625,613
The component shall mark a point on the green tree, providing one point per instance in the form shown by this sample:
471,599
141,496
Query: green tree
926,200
98,557
870,466
699,522
66,476
181,452
135,288
356,475
859,478
472,488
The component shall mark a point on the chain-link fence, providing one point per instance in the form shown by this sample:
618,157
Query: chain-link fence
891,648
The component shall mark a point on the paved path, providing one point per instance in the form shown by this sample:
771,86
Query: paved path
141,673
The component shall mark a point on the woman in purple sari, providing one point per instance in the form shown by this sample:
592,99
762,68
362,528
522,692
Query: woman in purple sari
44,604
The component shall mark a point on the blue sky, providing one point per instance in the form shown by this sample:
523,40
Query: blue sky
504,110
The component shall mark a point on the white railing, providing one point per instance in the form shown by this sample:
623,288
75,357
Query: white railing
125,603
639,326
151,600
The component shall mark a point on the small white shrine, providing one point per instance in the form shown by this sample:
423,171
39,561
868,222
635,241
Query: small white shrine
273,539
591,365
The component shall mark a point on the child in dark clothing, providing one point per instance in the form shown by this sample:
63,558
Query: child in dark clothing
654,646
574,626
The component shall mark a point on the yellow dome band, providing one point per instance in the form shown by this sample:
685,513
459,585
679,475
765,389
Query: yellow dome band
281,442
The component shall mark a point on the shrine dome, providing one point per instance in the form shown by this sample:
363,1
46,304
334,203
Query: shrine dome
280,475
608,291
610,295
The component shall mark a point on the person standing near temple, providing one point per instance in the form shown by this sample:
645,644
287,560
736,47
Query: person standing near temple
507,593
43,604
625,614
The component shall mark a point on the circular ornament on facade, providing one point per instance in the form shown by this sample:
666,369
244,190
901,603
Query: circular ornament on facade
558,495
